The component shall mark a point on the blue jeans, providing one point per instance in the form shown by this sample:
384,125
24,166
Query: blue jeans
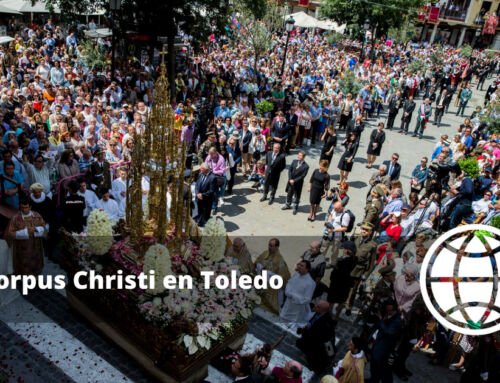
461,211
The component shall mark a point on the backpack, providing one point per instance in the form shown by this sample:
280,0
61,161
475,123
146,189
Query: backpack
352,218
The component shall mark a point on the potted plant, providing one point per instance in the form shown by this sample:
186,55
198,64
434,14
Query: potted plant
469,166
264,108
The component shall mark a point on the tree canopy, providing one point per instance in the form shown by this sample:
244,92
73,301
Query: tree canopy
382,14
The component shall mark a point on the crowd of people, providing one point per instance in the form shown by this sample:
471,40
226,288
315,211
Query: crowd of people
67,133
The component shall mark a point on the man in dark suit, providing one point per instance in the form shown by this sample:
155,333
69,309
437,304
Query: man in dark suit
389,331
206,187
408,108
317,339
183,95
440,107
100,173
393,167
296,174
275,163
280,130
394,105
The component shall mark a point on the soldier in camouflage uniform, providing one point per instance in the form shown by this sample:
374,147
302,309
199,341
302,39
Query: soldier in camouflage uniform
365,261
205,146
374,207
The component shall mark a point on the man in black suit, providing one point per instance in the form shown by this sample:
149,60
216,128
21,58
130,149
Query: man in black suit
296,174
280,130
317,339
408,108
389,331
393,167
394,105
100,173
206,187
441,103
275,162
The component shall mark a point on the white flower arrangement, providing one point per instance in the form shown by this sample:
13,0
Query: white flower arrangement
157,258
213,240
99,232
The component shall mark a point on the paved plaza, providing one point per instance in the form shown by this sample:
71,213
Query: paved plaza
44,341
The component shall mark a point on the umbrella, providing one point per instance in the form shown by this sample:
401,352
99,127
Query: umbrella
303,20
5,9
331,26
102,32
5,39
26,6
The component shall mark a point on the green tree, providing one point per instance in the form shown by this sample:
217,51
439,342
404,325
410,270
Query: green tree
382,14
198,18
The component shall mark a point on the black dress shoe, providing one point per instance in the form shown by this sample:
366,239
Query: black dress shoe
263,199
271,200
295,211
286,207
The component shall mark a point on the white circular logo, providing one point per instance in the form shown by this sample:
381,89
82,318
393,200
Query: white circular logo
459,279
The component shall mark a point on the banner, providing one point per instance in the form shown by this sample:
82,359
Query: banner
433,15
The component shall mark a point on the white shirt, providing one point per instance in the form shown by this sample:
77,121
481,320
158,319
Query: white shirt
338,220
481,206
110,207
299,291
90,201
118,186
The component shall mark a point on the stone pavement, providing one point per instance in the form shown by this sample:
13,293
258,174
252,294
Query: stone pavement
246,217
60,346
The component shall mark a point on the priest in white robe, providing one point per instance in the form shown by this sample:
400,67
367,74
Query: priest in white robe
119,186
298,292
109,205
90,198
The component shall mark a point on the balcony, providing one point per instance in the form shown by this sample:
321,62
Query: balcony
455,10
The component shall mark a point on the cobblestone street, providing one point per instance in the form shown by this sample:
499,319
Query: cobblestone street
42,340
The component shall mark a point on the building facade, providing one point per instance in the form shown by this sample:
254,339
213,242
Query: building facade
459,22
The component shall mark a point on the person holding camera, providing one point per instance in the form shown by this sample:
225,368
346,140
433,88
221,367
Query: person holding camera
338,195
336,226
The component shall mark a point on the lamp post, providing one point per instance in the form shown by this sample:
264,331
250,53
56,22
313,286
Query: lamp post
114,7
366,28
289,23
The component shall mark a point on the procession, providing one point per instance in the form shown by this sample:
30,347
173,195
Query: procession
253,204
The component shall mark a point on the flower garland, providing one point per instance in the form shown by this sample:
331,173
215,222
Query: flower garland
99,232
216,312
213,240
157,258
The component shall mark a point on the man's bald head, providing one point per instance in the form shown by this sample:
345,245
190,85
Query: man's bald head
322,307
337,206
315,247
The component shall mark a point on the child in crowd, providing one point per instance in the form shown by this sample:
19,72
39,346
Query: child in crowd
258,175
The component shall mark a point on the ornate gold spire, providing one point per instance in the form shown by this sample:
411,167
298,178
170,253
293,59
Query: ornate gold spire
160,155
